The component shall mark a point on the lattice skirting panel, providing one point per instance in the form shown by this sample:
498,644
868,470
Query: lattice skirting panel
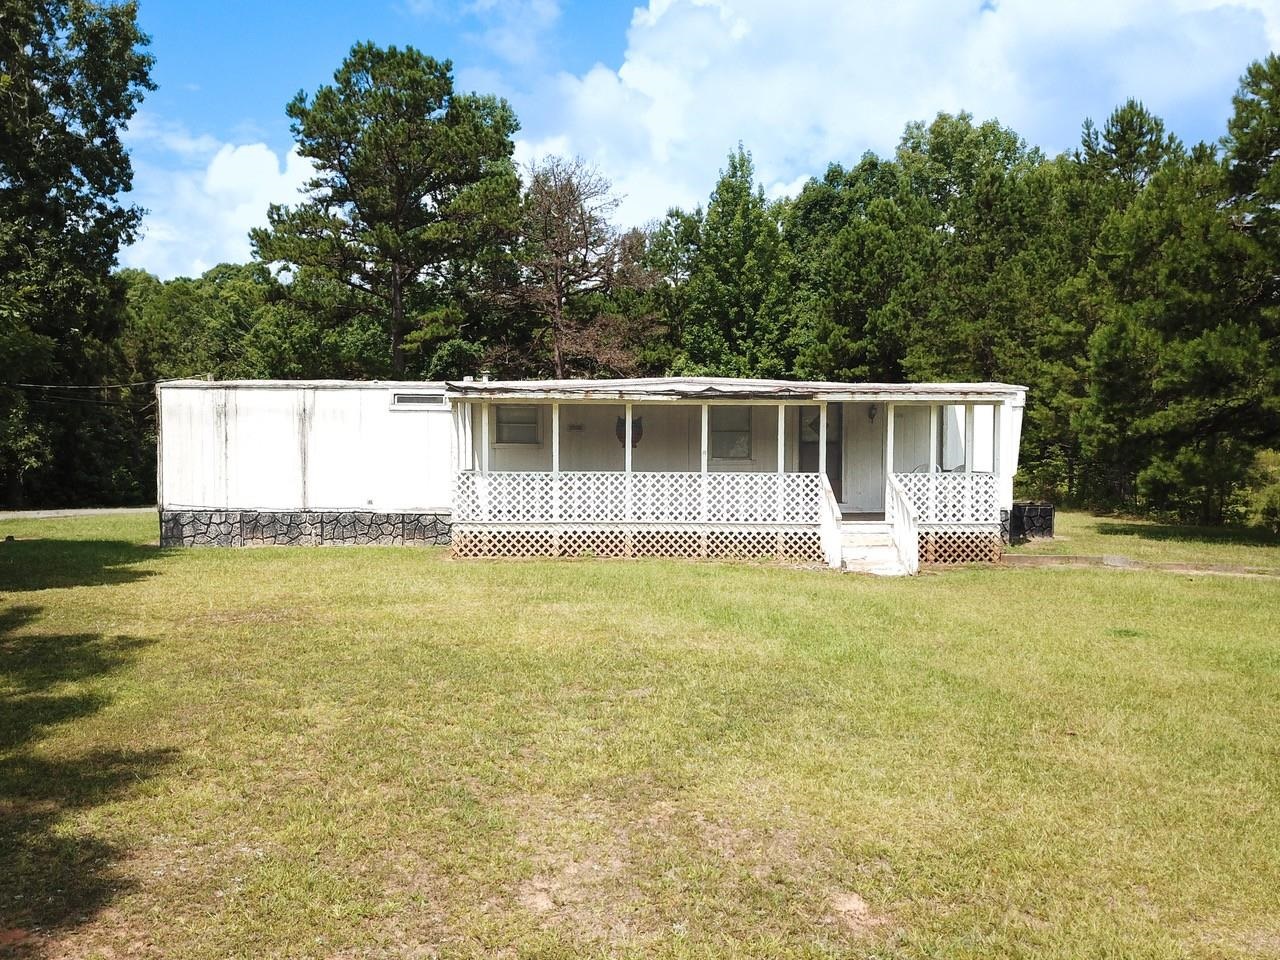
975,544
795,545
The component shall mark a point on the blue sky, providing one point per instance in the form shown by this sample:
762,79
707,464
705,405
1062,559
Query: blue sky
656,95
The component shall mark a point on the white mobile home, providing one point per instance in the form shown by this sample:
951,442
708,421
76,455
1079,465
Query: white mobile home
859,476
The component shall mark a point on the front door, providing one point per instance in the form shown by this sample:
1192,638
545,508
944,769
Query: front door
809,431
864,458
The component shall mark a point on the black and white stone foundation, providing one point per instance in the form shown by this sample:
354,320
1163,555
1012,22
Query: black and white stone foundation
250,528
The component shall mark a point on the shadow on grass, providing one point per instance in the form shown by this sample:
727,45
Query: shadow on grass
41,564
1247,536
57,874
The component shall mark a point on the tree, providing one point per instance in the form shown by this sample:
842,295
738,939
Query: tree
1253,153
413,182
1185,367
733,322
568,248
72,73
862,244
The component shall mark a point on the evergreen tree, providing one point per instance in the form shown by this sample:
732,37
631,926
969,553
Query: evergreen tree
732,325
1185,368
414,182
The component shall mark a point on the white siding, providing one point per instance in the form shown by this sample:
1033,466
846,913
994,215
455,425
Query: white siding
302,448
589,436
672,438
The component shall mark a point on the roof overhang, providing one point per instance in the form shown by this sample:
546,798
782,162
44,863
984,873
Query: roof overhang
190,384
712,389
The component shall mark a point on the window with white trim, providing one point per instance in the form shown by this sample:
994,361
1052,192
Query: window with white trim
516,424
730,429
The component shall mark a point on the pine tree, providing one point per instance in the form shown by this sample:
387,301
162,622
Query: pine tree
733,322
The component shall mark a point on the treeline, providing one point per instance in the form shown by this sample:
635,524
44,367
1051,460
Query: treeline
1133,284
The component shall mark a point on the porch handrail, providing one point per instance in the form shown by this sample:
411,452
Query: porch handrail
950,499
829,526
643,497
905,518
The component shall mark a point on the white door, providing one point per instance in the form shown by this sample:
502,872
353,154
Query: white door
863,458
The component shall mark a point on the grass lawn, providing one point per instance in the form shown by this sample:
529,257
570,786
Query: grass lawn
370,752
1082,533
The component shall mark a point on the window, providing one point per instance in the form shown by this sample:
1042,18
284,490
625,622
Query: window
730,433
416,401
517,424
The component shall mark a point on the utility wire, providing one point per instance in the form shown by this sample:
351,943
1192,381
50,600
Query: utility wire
57,400
86,386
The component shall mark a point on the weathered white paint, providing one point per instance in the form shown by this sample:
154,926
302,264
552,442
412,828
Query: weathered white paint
822,438
302,447
718,389
338,445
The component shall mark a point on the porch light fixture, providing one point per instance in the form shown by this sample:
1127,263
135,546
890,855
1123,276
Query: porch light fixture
871,412
637,430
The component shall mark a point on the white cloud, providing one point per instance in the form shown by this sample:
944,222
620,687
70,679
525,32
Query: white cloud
513,30
203,197
800,83
807,82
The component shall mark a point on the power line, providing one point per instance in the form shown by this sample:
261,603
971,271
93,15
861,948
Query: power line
88,386
58,400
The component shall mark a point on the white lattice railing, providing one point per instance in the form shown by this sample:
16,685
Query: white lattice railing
904,517
791,499
951,498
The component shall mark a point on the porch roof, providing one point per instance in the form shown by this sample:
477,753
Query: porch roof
699,389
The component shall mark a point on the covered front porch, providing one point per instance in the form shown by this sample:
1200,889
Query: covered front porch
718,469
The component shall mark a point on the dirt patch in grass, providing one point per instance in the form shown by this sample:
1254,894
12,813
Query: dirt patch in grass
762,853
854,914
585,868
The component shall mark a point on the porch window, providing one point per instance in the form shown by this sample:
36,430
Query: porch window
730,429
517,424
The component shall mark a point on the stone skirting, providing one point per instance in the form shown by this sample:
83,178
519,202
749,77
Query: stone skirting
250,528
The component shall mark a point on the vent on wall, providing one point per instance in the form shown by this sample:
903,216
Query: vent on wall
416,401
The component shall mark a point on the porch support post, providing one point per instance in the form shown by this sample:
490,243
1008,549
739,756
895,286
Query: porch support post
555,460
997,438
702,486
933,438
627,462
484,437
782,430
781,505
968,463
935,444
888,438
997,442
822,438
968,438
455,440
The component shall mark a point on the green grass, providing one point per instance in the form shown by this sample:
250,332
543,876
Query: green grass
384,753
1083,534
